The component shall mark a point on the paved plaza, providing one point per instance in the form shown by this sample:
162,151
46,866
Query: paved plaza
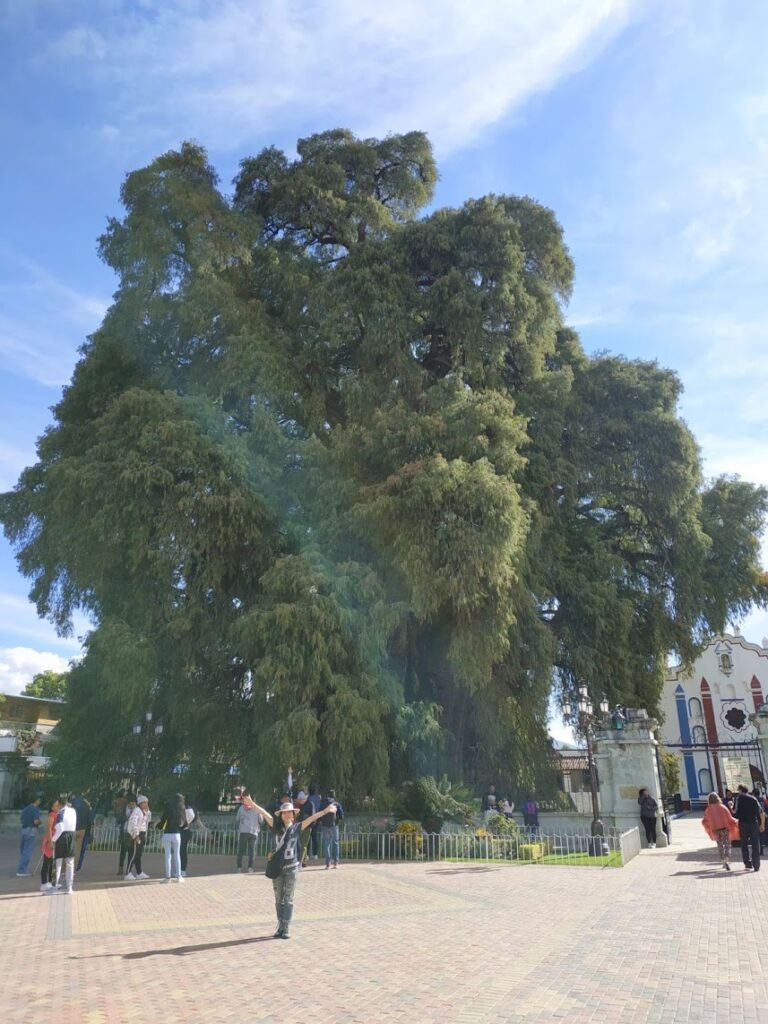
668,938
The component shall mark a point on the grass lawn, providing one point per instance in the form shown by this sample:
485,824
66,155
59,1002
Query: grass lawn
578,860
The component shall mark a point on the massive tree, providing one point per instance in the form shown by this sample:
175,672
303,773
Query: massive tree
339,488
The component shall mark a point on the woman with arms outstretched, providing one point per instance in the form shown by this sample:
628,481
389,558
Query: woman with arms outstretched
287,832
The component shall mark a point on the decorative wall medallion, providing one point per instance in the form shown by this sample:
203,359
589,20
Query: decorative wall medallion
733,715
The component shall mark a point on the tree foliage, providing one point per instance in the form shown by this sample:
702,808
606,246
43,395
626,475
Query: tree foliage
340,488
48,684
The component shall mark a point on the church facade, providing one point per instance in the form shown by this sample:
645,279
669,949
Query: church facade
706,718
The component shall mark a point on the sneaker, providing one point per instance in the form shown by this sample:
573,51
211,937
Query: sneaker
335,863
165,881
21,874
183,874
286,934
46,887
279,933
251,871
178,878
143,876
130,877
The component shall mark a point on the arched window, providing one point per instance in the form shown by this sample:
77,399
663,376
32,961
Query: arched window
694,709
698,735
705,780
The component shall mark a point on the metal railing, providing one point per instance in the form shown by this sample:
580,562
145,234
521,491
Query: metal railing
614,849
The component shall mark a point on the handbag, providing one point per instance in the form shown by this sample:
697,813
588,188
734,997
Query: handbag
276,859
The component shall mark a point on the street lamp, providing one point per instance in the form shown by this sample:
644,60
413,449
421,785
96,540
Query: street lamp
583,719
146,735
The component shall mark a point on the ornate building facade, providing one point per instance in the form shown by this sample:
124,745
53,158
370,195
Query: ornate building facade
706,717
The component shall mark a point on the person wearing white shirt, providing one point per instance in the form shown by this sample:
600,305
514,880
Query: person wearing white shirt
64,844
137,826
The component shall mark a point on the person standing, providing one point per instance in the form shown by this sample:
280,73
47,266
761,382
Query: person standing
490,803
287,836
648,811
136,829
64,844
186,834
248,824
83,830
751,820
717,823
126,843
330,828
30,821
173,823
313,799
46,872
531,814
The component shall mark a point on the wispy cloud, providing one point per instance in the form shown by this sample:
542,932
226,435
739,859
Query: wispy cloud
19,620
18,665
43,321
223,72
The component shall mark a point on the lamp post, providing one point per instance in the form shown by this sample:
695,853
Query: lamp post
582,718
146,734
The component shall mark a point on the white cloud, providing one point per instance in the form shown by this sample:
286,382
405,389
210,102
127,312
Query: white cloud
19,664
43,321
80,42
223,72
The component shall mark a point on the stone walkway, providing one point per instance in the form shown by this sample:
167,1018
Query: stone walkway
669,938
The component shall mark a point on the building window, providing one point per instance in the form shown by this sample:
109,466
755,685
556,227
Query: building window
705,780
698,735
726,663
694,709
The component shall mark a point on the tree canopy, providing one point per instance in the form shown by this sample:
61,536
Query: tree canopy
340,488
48,684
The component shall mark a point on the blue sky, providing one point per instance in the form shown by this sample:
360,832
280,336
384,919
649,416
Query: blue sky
643,124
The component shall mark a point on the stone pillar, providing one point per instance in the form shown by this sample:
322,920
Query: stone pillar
626,761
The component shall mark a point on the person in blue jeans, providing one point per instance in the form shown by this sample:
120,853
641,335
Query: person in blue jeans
329,828
30,821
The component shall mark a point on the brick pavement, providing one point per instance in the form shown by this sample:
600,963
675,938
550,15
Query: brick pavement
670,938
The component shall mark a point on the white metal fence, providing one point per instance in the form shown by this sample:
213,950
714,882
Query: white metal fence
614,849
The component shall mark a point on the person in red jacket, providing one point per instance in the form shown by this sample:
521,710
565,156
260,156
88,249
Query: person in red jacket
46,874
718,822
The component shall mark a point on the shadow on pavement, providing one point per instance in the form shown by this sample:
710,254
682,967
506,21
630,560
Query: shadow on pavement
460,871
202,947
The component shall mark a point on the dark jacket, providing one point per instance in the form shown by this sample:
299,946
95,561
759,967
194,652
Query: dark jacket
331,819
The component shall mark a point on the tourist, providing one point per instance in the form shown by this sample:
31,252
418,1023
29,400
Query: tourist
119,805
751,819
248,824
186,834
530,811
313,799
136,828
718,822
30,820
64,844
648,812
761,799
46,872
287,834
329,824
172,824
490,803
124,839
83,830
507,808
